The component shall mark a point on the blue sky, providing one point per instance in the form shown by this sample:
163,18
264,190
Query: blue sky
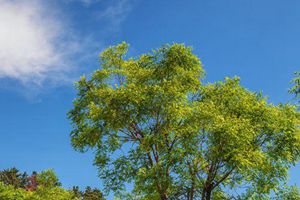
45,47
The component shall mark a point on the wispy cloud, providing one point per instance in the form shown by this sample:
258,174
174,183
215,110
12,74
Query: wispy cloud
31,49
116,12
85,2
38,47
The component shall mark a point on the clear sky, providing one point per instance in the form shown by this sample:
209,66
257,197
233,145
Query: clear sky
45,46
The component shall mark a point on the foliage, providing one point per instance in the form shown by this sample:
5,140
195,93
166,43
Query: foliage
40,186
296,84
31,183
8,192
88,194
47,179
92,194
76,192
288,193
152,123
14,177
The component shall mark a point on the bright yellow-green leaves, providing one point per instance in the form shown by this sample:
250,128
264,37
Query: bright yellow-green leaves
152,122
244,129
47,189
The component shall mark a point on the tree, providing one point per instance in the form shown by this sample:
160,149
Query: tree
48,179
31,182
296,81
288,193
151,122
92,194
9,192
296,85
14,177
87,194
76,192
39,186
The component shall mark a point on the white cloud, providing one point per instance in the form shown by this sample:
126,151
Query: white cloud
31,47
37,47
116,12
89,2
86,3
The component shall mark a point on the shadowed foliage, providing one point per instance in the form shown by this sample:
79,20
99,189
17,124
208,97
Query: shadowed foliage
40,186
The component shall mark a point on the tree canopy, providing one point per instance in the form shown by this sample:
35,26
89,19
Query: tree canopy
41,186
296,85
152,122
45,185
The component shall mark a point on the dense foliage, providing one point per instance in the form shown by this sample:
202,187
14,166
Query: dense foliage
14,178
88,194
152,123
40,186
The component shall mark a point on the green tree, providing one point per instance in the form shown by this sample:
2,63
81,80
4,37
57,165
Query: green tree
40,186
296,85
92,194
288,193
47,189
151,122
87,194
76,192
14,177
47,179
9,192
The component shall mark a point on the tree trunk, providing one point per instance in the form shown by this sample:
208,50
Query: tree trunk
164,196
191,194
206,193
